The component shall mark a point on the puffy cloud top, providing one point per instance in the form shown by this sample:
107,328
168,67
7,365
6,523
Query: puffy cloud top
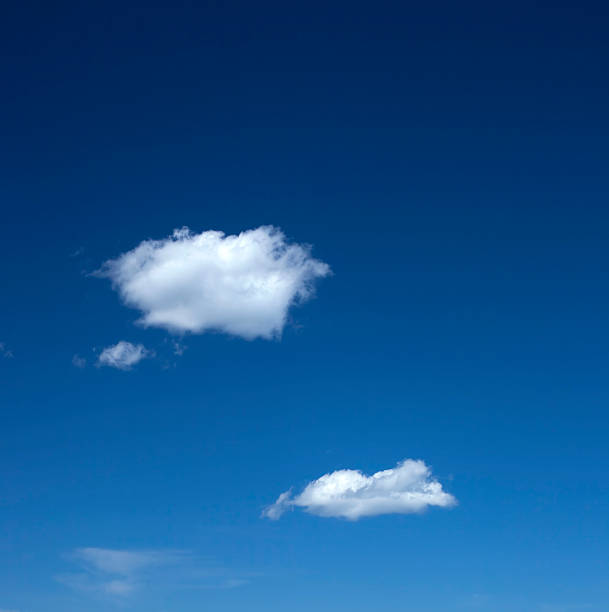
405,489
122,355
240,284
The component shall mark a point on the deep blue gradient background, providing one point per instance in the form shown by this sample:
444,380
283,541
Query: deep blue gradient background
449,162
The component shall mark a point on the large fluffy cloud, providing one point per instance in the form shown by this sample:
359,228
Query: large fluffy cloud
241,284
122,355
405,489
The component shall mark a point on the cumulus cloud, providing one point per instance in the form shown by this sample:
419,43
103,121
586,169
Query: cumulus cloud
240,284
119,574
405,489
123,355
5,352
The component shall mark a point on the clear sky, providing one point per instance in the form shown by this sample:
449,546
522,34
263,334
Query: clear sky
433,300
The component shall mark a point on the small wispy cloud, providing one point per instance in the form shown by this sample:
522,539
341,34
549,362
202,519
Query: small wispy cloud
123,355
407,488
178,348
124,562
7,353
241,285
119,574
79,362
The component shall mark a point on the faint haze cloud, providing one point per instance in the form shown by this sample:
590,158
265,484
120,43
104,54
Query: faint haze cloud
242,285
178,348
408,488
566,607
122,574
115,572
78,361
7,353
476,601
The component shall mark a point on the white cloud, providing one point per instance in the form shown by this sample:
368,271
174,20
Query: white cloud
240,284
5,352
123,355
405,489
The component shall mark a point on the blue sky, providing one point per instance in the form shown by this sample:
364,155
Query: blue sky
435,292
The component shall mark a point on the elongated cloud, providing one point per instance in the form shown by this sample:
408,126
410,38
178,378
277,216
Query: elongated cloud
118,573
122,574
241,284
121,562
405,489
123,355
